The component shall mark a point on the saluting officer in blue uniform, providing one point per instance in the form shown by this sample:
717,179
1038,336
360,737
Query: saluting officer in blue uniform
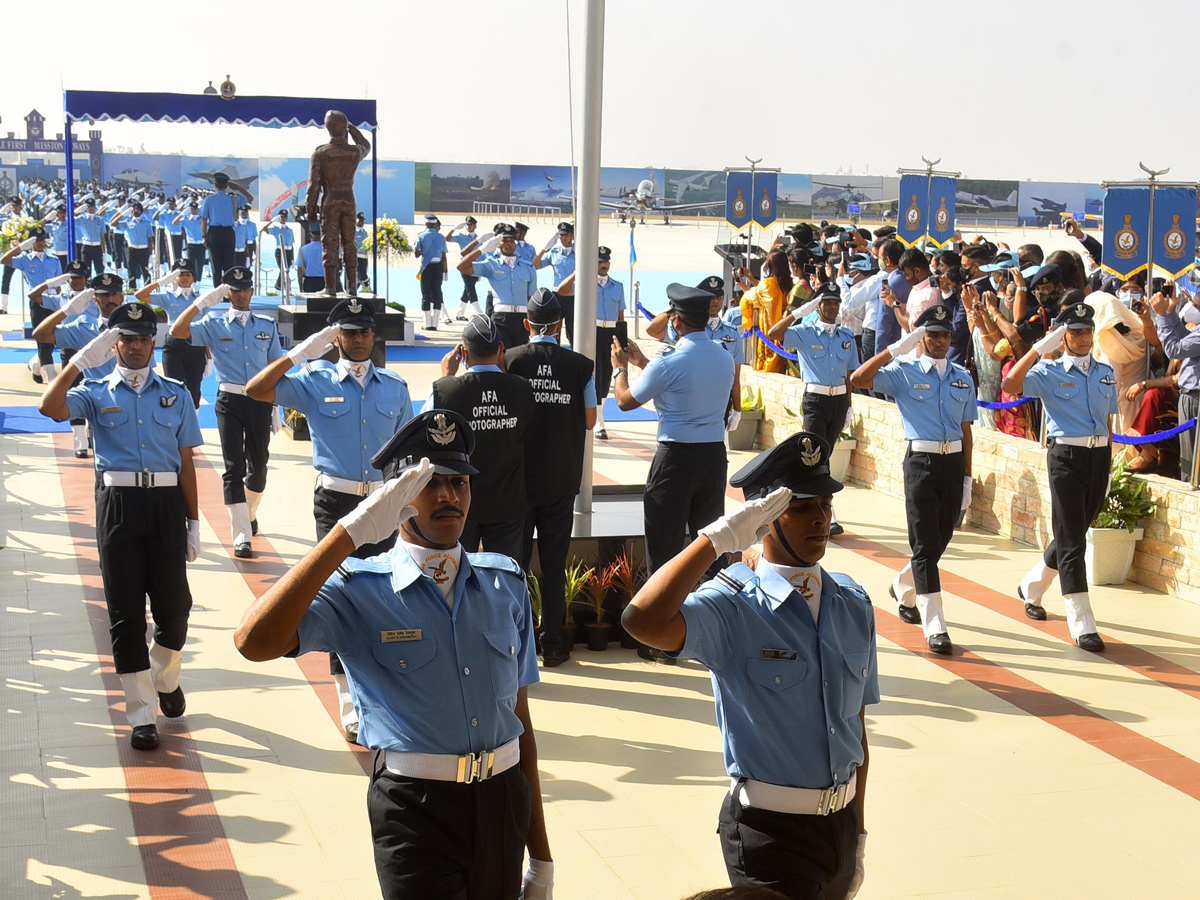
430,248
242,344
352,409
57,229
469,301
175,292
513,282
438,645
525,252
147,512
89,232
936,399
284,240
30,258
690,385
791,650
217,215
559,256
138,229
244,234
827,354
1079,394
166,218
193,235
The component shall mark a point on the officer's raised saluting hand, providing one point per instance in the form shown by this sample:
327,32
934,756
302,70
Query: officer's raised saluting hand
378,517
749,525
452,359
213,297
97,351
1051,342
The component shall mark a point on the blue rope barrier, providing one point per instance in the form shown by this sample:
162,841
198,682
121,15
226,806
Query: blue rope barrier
1155,437
645,312
775,348
1006,404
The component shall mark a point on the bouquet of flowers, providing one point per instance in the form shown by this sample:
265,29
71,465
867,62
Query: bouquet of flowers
16,230
393,243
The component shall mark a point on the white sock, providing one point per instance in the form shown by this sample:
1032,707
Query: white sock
165,666
599,414
1079,614
79,433
1036,581
49,372
904,587
239,520
3,302
346,708
35,365
475,310
141,700
932,619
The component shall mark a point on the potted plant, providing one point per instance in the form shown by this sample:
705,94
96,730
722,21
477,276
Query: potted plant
628,580
839,459
535,599
1115,532
599,583
575,581
394,246
742,437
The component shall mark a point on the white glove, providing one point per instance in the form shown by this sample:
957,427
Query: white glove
802,311
212,298
97,351
906,343
1050,342
276,421
380,515
489,245
748,525
539,880
79,302
193,539
314,346
848,425
28,243
860,867
445,277
170,278
550,243
124,210
968,487
733,419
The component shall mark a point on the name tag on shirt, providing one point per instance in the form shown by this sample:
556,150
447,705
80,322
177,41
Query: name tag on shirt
922,387
407,634
334,399
109,409
786,655
226,339
1066,384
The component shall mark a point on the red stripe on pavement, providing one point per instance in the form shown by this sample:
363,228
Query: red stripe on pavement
180,836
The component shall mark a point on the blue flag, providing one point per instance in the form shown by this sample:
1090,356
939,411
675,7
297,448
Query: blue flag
915,220
766,190
632,249
910,225
1126,219
738,200
1174,231
942,191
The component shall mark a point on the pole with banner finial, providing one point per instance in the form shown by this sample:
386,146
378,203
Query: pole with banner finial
1150,225
750,224
929,164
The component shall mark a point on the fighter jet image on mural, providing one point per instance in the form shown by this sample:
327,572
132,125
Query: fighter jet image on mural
834,197
138,178
235,179
644,198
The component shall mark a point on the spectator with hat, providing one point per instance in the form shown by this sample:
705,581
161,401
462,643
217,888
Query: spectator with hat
309,268
1079,394
147,508
936,399
438,644
353,408
559,256
430,249
469,301
175,292
242,344
512,281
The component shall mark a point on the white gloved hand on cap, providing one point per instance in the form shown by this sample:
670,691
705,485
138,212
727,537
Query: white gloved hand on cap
1050,342
213,297
906,343
803,311
315,345
79,302
170,278
97,351
489,245
28,243
550,243
378,517
745,527
51,283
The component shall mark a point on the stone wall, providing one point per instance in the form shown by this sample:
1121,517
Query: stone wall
1011,495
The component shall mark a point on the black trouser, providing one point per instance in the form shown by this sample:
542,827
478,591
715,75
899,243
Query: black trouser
244,426
141,535
37,315
139,265
568,312
512,328
177,246
312,284
431,287
6,279
801,857
220,250
469,295
553,518
1078,479
251,249
825,415
496,537
328,507
933,486
363,278
604,339
92,256
240,258
685,491
439,840
185,362
279,261
118,250
196,256
1189,408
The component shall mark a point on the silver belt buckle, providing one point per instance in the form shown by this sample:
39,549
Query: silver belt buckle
827,800
364,488
146,480
946,448
1091,441
476,766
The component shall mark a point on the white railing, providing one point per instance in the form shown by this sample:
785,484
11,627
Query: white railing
524,210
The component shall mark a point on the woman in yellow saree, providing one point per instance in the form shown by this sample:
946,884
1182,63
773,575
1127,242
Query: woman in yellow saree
763,305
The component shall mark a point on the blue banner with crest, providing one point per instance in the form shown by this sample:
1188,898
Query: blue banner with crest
926,207
766,190
910,224
738,199
1174,231
942,192
1126,219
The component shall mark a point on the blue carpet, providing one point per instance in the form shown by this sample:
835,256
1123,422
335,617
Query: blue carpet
27,420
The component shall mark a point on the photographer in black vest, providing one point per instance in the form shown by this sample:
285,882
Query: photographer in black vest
564,395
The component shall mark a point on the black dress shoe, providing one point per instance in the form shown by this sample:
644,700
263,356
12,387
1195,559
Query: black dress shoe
81,454
253,526
37,379
555,658
1091,642
460,318
144,737
940,643
172,704
1035,612
602,435
835,529
243,551
909,614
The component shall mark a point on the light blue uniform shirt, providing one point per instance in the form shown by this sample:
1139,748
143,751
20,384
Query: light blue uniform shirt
165,217
733,318
134,432
724,333
139,231
431,247
589,390
360,242
239,352
243,232
310,255
525,252
58,236
220,208
1077,405
862,300
36,270
511,285
463,238
824,358
75,333
788,691
561,260
932,408
690,386
610,300
282,233
193,229
89,228
427,678
348,423
174,301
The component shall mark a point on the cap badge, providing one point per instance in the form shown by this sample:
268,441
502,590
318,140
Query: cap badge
809,455
106,280
1079,311
443,433
940,313
134,312
355,307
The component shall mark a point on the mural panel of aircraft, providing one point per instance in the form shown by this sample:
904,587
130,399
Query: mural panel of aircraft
138,178
242,181
643,198
968,200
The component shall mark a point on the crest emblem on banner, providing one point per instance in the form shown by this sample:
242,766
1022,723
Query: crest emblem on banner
1174,241
764,205
941,218
1125,241
913,215
739,205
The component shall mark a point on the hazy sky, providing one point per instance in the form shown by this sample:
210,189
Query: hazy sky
1061,86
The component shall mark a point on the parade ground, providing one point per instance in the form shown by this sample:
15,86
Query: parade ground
1020,766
